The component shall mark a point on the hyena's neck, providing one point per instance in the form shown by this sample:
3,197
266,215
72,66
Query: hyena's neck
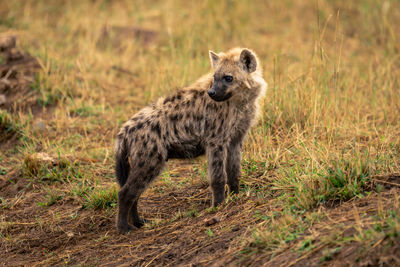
252,102
260,85
255,91
260,98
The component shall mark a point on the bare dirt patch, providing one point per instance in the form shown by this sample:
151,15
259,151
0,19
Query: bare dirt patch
177,234
12,184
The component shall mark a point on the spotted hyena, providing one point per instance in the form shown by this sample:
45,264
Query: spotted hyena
212,117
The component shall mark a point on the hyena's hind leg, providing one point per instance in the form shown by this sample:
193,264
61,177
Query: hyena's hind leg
127,196
144,172
233,167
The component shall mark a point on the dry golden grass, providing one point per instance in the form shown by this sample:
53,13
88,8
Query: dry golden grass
330,125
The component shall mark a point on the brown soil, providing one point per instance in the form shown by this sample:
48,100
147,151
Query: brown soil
12,185
67,233
92,237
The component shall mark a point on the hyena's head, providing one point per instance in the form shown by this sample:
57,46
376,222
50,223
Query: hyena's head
237,75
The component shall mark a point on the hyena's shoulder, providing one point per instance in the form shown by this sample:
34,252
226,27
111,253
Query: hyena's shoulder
183,101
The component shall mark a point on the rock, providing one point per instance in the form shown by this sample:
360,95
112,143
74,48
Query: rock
39,159
44,157
38,126
35,163
235,228
213,220
14,54
7,42
3,99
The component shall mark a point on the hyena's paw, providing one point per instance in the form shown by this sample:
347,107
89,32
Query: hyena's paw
233,189
140,222
125,228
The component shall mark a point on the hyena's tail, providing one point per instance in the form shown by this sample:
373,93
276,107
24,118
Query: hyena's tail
122,166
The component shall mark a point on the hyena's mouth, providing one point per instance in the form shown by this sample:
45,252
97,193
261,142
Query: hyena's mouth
220,98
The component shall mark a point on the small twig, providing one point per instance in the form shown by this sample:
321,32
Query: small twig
386,182
305,255
119,69
377,243
19,223
162,253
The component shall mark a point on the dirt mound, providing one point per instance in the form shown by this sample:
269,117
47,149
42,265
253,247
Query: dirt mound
17,73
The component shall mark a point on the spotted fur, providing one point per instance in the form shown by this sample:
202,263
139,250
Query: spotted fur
211,116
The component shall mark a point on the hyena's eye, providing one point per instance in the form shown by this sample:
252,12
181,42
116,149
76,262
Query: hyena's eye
228,78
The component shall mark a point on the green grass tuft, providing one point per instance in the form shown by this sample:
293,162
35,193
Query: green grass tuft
102,199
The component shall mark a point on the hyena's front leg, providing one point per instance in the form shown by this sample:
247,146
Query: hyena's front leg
233,167
135,218
217,172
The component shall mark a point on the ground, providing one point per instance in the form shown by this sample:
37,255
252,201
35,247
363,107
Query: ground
321,169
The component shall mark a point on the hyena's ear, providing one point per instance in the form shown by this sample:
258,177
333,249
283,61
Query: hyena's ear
248,60
214,58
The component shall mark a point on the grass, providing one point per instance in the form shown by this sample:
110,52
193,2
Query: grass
51,198
9,126
43,168
102,199
328,127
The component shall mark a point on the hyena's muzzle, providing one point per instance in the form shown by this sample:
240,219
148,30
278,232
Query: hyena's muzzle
218,91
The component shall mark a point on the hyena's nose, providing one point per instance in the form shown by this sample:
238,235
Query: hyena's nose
211,93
